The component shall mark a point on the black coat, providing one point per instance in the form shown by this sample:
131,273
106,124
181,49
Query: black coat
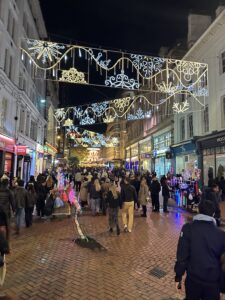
128,193
199,250
6,201
165,190
113,203
155,187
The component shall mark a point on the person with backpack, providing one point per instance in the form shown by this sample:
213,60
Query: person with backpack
29,204
114,202
200,247
155,189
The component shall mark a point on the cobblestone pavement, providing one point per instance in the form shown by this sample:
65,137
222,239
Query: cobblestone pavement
46,264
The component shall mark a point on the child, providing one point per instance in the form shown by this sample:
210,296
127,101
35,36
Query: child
113,198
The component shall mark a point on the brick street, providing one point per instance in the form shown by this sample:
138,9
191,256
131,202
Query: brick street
46,264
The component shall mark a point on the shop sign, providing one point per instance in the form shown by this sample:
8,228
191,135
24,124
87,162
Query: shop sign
21,150
159,152
6,144
145,156
49,149
40,148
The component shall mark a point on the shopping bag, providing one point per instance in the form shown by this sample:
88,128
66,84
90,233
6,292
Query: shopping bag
3,272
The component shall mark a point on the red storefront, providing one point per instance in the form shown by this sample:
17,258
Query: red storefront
6,154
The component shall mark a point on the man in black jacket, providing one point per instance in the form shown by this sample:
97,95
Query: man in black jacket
128,198
21,197
199,250
155,188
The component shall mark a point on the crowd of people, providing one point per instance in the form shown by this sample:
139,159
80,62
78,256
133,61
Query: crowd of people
201,245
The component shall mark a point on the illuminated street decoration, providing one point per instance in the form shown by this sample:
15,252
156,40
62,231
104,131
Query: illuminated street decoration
147,65
46,51
68,122
72,76
130,108
115,69
122,81
87,138
181,108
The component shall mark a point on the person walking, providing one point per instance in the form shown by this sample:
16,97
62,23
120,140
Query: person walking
165,194
29,204
114,201
143,196
78,180
21,197
95,196
83,196
105,182
41,197
128,197
200,247
7,205
155,189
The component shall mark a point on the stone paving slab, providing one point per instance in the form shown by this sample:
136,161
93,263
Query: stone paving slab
46,264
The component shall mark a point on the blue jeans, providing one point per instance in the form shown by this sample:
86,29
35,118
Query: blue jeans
95,205
19,213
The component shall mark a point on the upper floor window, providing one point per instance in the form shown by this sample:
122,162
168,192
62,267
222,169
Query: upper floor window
206,119
190,126
182,129
223,62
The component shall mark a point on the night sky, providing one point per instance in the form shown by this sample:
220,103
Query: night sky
137,26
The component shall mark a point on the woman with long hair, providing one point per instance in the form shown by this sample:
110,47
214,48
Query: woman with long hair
143,196
95,196
114,201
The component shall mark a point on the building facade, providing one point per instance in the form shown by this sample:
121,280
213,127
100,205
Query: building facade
23,103
199,133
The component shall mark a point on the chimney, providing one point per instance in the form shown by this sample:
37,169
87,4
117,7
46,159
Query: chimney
197,25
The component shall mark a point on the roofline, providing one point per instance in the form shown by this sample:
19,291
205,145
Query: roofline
196,44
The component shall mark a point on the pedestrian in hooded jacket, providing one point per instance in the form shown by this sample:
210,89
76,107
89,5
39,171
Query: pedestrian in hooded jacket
200,247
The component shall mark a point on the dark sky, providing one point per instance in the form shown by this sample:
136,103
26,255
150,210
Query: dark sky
140,26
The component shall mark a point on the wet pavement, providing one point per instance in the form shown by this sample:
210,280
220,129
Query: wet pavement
45,263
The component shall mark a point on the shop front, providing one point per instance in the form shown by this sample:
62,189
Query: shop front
134,161
145,154
49,156
185,159
161,154
39,159
22,162
6,154
212,156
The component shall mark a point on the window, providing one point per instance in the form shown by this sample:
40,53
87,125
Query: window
27,125
182,129
11,24
22,120
6,64
190,126
206,119
223,62
33,130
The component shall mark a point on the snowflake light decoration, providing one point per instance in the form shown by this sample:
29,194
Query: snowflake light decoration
60,114
68,122
87,121
46,51
139,115
121,103
180,108
99,108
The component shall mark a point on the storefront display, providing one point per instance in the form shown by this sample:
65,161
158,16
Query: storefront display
162,162
212,156
39,159
7,145
185,159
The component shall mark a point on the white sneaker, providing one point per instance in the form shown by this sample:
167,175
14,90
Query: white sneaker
125,228
129,230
